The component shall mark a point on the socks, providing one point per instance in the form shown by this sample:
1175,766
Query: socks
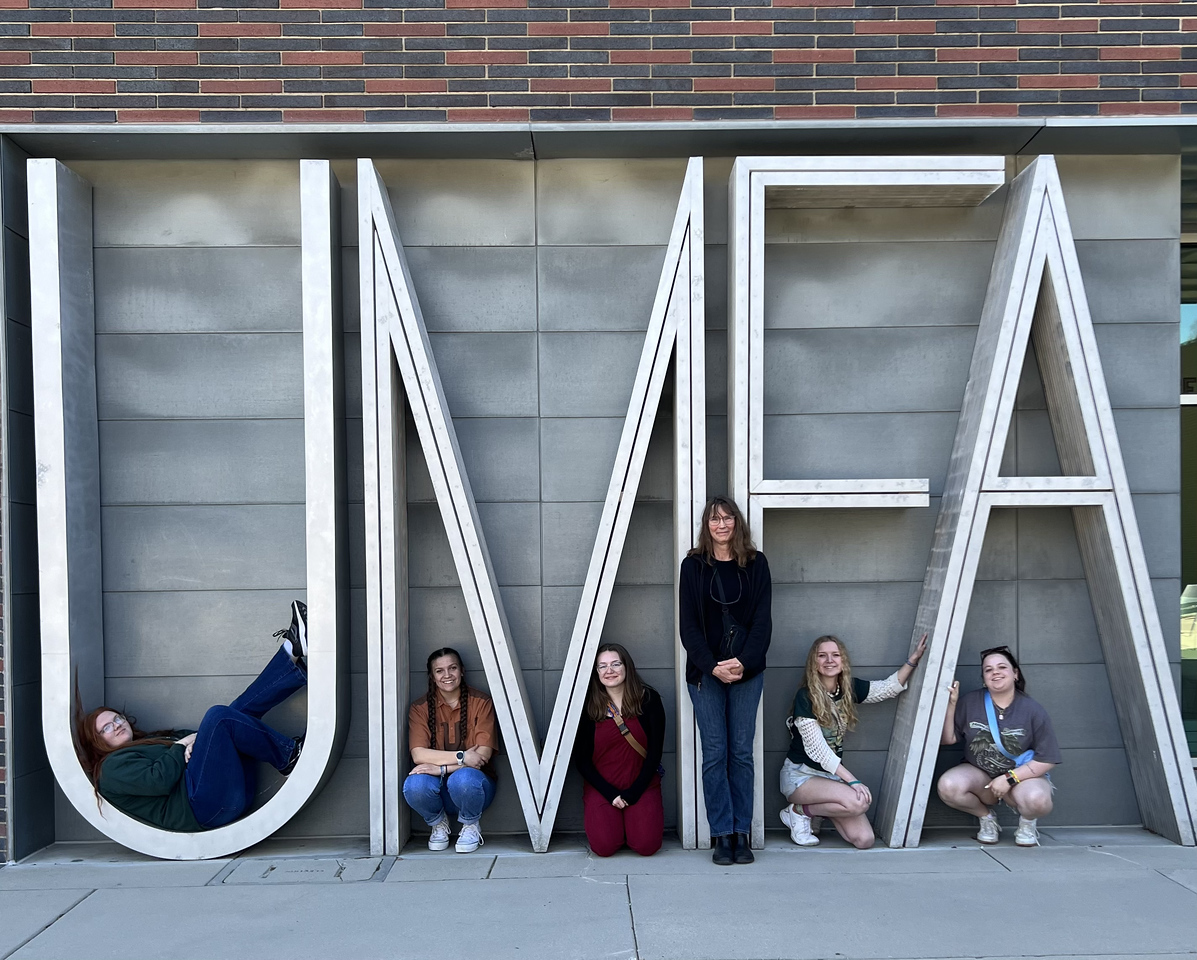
805,810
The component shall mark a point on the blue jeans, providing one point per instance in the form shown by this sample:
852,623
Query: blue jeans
726,718
466,792
222,774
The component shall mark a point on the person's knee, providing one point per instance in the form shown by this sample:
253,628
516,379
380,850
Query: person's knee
419,786
864,839
647,845
218,713
948,788
857,807
1035,806
604,846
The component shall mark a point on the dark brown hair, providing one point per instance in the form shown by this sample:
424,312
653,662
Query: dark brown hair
742,548
464,694
1020,682
635,690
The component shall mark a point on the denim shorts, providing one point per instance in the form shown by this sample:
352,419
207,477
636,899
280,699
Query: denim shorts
794,775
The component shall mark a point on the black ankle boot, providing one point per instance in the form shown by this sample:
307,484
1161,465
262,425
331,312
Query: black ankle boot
724,852
743,849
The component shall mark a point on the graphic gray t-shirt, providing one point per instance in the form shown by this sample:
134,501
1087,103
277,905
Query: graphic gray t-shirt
1024,726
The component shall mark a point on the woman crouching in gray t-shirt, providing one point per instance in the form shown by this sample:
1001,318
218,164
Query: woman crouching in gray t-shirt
1014,771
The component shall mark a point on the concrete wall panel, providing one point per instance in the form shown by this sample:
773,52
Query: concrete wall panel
598,287
1122,197
1141,361
512,537
1055,623
502,457
16,274
19,372
438,618
587,374
487,374
475,289
1150,441
1158,515
1131,281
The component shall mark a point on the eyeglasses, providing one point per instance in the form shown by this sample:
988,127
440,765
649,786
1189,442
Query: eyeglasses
613,665
114,723
722,521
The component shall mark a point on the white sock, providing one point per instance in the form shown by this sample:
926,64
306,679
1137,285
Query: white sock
290,650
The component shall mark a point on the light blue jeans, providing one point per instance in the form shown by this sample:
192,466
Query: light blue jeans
466,792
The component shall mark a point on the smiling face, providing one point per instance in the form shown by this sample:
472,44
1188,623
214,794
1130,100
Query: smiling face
829,659
721,525
610,669
113,729
998,674
446,674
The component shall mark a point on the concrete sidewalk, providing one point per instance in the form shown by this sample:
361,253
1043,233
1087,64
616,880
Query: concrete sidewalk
1085,893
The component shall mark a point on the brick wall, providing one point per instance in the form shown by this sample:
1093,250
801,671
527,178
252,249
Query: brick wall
351,61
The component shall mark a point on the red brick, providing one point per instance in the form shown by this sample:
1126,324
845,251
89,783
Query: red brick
895,83
74,86
977,110
814,56
978,54
241,86
652,113
1188,24
1058,26
325,116
1140,53
488,114
895,26
550,85
154,4
1188,79
317,4
14,56
731,28
240,29
484,4
709,84
568,29
1058,81
72,30
16,116
813,112
321,56
14,5
156,56
157,116
406,86
1155,109
486,56
650,56
405,29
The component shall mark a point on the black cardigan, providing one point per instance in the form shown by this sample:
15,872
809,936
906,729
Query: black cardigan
702,621
652,719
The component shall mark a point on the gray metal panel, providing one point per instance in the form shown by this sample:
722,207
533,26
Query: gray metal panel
568,531
475,289
841,371
19,372
1000,550
875,284
28,748
451,203
647,556
1150,441
487,374
511,530
641,618
16,275
19,458
341,809
243,547
1141,361
437,617
1078,699
501,454
198,290
606,201
1036,446
860,446
194,203
1167,601
587,374
21,623
1055,623
577,456
597,287
1131,281
1114,803
1121,197
1047,546
202,461
992,621
204,375
1158,515
715,259
13,187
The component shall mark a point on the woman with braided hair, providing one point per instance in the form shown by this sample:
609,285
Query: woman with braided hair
451,732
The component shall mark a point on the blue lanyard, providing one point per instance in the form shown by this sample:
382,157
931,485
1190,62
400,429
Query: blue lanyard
1022,758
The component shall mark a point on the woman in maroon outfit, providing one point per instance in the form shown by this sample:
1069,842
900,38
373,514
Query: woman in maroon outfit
618,752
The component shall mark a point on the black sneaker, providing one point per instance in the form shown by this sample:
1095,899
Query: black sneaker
297,633
294,758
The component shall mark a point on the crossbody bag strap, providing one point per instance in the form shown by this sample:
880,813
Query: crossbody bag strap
623,728
991,716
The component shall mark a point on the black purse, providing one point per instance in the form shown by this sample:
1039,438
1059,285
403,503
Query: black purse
734,633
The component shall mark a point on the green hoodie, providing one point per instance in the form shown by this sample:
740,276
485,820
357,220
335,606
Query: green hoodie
147,782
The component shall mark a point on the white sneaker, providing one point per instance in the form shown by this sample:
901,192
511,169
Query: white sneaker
440,834
470,838
990,829
799,824
1027,834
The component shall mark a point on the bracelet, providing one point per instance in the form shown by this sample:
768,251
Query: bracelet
853,783
444,771
1012,778
909,664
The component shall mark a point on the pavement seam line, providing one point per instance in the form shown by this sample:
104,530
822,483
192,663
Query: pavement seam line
491,868
34,936
996,860
627,886
1174,880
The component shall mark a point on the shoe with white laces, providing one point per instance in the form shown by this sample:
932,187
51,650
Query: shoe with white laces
1027,834
470,838
799,824
990,829
295,637
440,834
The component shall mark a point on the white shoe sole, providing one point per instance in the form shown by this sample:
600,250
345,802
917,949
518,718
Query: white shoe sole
810,840
467,848
301,631
438,845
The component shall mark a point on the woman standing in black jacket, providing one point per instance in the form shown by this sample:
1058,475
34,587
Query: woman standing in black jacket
725,598
618,752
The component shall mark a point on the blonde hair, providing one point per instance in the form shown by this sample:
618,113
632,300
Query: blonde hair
828,712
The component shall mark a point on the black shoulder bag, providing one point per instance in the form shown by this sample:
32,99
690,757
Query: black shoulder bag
734,633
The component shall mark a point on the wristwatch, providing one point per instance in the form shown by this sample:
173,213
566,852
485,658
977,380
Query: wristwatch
1012,779
461,758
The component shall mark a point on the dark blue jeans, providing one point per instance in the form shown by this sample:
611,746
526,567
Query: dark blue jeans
726,718
222,774
466,792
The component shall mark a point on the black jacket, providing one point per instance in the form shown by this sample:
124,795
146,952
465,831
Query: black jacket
652,719
702,620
